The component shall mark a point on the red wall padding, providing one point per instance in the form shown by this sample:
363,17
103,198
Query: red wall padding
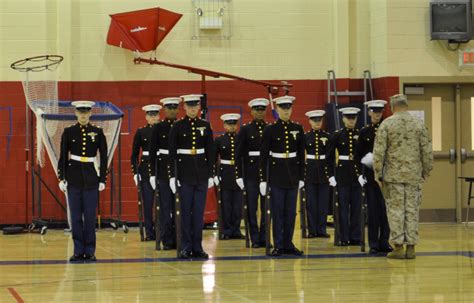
15,194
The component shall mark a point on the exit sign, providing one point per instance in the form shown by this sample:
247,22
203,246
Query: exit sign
466,58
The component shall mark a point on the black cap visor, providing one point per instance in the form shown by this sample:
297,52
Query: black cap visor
171,106
285,105
83,109
231,122
351,116
192,103
259,108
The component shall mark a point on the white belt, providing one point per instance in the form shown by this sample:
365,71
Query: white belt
228,162
313,157
145,153
190,151
254,153
82,159
346,158
283,155
163,152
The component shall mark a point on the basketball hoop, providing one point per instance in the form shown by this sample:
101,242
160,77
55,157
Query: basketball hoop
37,63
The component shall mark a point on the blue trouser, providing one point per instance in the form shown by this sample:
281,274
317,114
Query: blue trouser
283,203
317,205
167,207
257,235
193,202
147,194
349,212
377,217
83,206
232,211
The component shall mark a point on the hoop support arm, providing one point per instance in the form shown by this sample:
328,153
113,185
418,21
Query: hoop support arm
214,74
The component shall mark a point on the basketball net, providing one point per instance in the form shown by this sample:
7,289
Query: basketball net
40,87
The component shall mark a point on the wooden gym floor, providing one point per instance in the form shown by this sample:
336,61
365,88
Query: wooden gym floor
34,269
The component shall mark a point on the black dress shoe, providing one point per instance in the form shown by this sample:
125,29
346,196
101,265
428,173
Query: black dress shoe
386,249
373,251
277,252
76,258
238,236
344,243
311,235
200,255
185,254
323,236
263,244
294,251
255,245
150,238
354,243
90,258
169,246
225,237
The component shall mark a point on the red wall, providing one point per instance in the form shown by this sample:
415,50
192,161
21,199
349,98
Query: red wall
15,206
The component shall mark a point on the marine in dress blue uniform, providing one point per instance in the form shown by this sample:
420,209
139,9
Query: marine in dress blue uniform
283,145
142,168
226,176
317,175
378,228
248,151
159,157
79,178
348,176
191,144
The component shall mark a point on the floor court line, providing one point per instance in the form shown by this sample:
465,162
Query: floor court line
199,274
467,254
15,295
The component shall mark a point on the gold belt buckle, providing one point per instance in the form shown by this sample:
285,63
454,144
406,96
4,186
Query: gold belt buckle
232,162
193,151
287,155
351,157
83,159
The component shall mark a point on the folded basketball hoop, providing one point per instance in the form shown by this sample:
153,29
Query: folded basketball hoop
142,30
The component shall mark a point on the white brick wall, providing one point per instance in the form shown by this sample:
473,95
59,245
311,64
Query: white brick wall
272,39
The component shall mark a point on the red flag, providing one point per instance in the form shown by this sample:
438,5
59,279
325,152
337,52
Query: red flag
141,30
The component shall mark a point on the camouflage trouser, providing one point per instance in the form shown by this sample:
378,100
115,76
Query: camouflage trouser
403,203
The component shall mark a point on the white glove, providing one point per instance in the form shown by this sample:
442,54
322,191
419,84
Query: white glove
368,160
153,182
135,179
173,185
263,188
210,182
300,184
362,180
101,186
240,183
63,186
216,180
332,181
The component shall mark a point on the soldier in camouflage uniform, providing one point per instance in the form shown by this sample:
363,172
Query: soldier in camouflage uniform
403,159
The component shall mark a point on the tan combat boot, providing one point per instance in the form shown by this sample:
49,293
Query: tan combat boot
410,252
397,253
